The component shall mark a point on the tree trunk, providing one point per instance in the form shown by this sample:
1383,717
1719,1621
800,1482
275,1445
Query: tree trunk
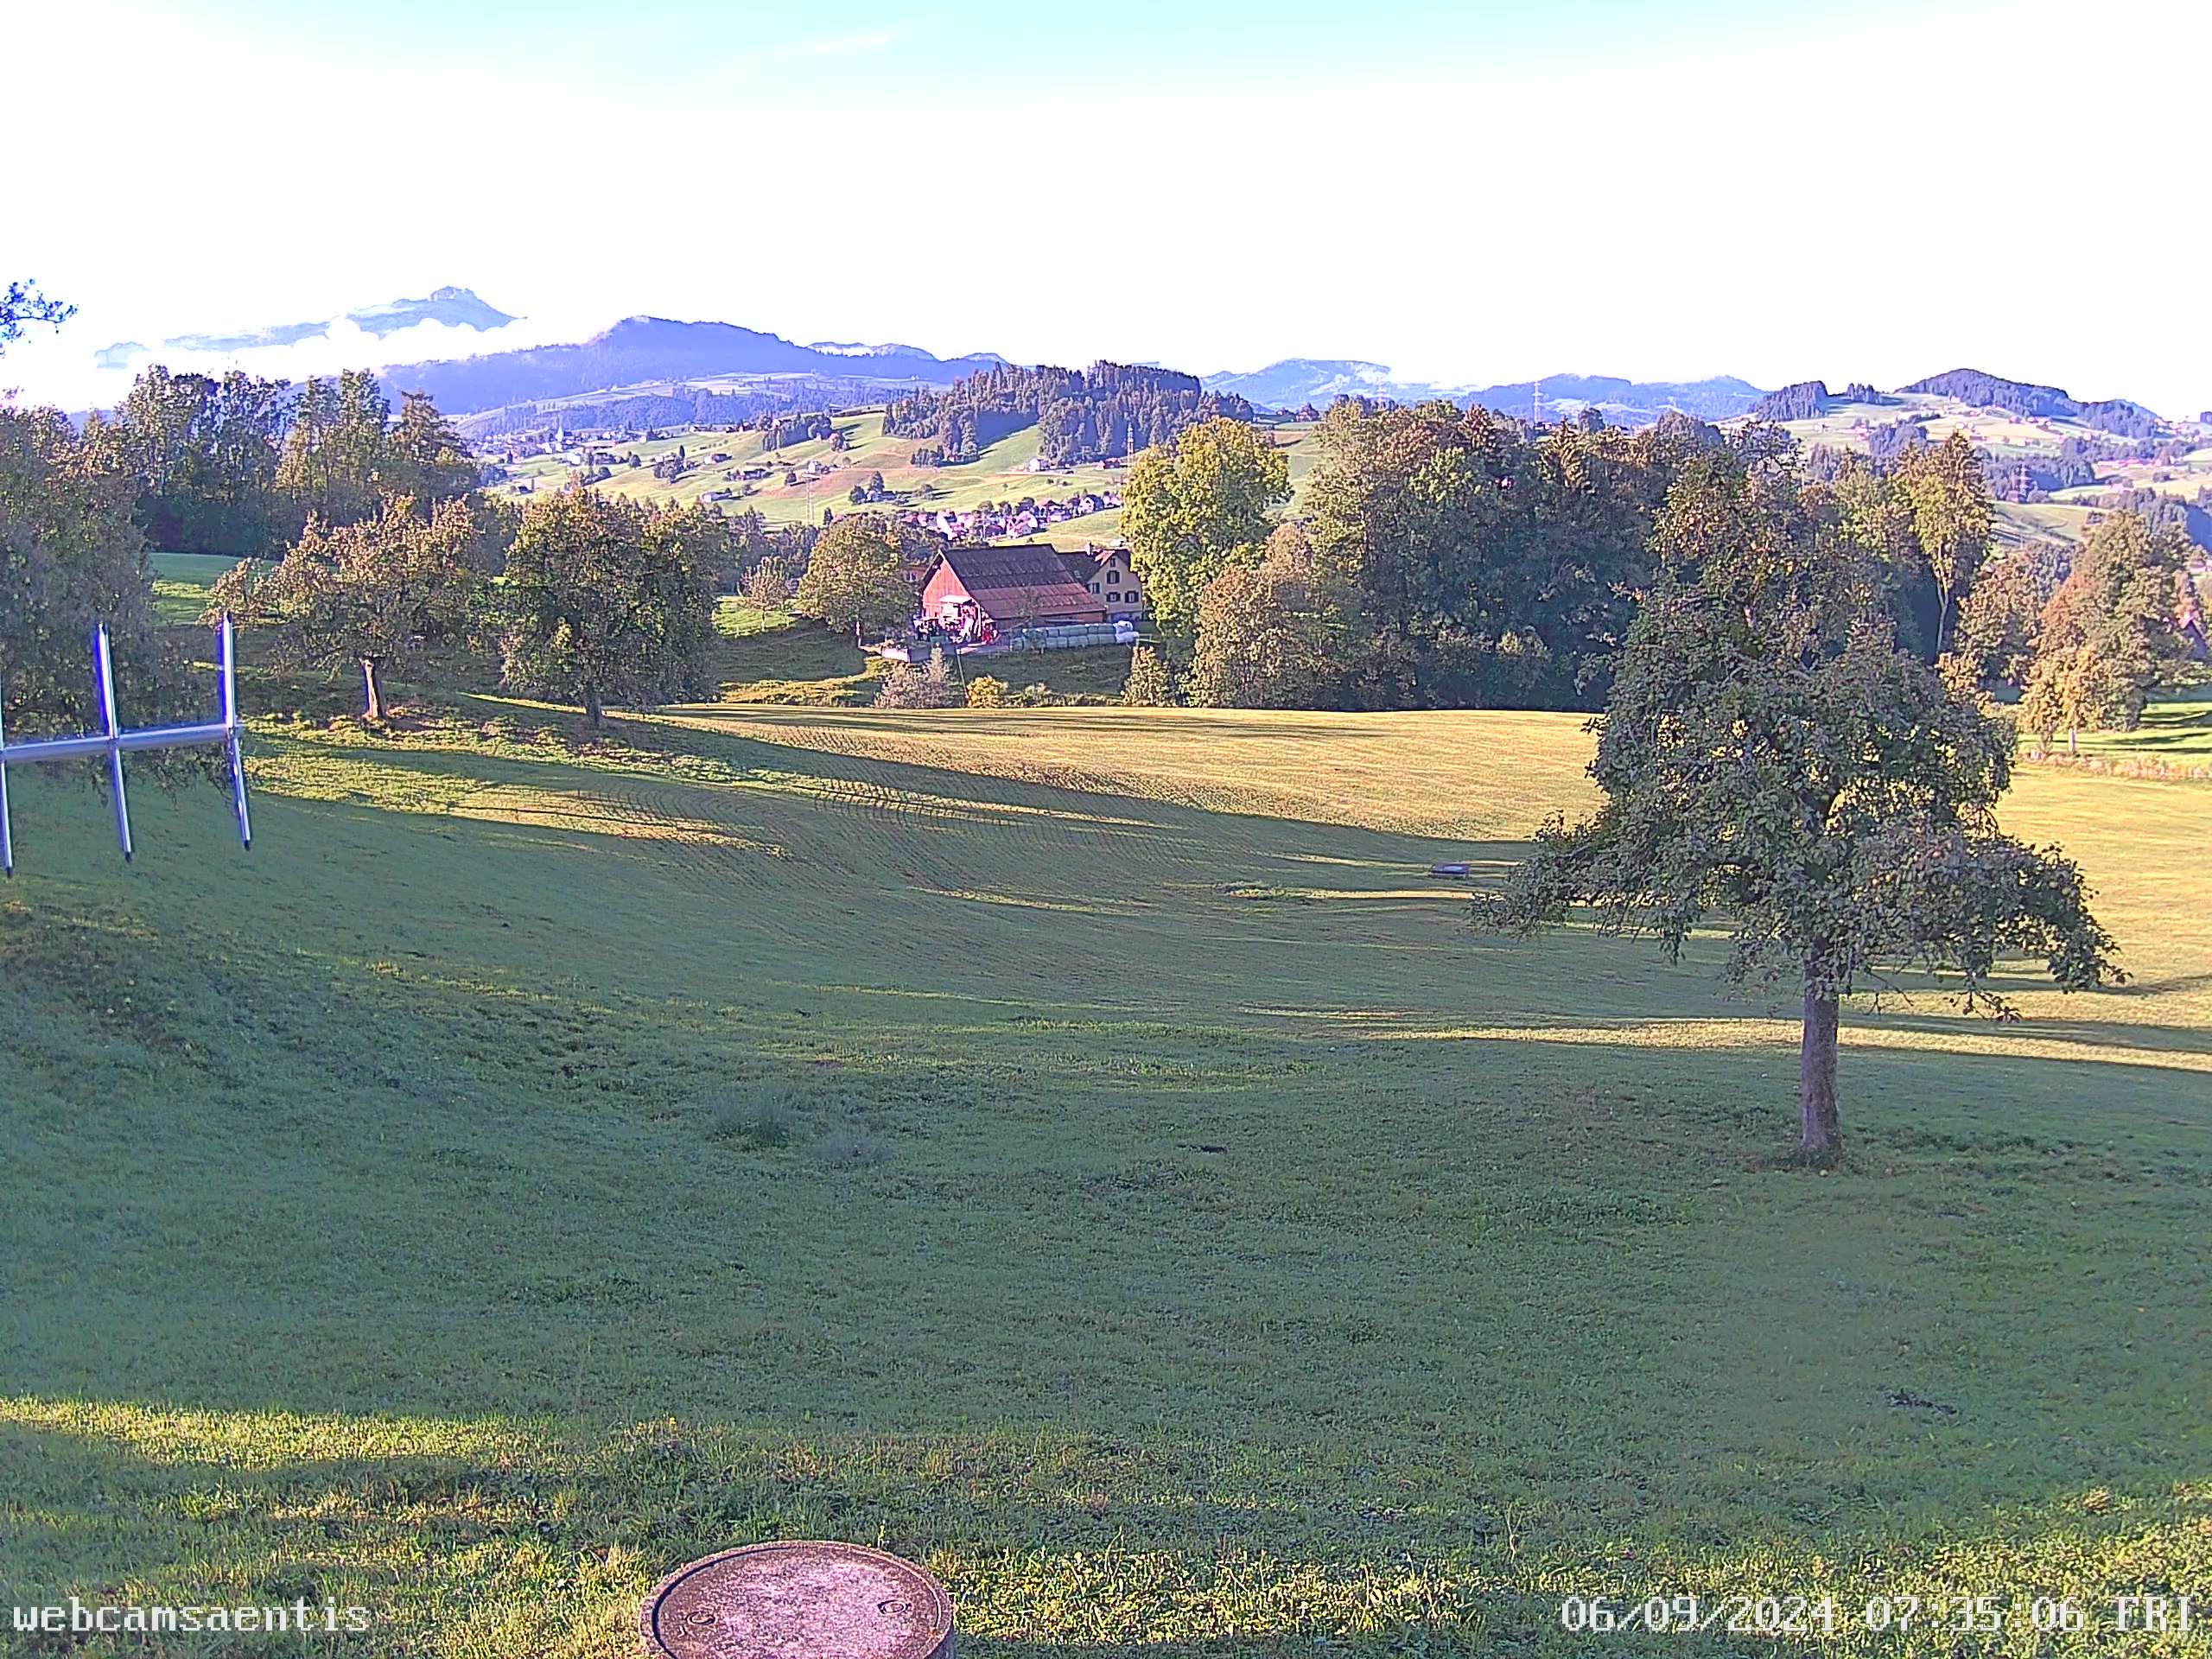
2074,739
1820,1137
857,634
372,678
591,711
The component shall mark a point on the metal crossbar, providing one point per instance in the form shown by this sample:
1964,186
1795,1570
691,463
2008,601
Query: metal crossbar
115,740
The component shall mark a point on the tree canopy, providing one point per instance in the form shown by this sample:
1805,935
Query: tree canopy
21,303
1267,634
382,593
72,557
1775,766
856,576
2111,633
1493,563
611,603
1196,504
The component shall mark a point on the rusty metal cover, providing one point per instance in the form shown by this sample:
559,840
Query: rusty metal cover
799,1601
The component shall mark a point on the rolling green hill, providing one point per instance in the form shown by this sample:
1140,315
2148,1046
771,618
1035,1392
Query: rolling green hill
2065,516
1080,1150
1002,473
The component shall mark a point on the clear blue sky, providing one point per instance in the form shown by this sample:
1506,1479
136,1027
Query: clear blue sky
1466,192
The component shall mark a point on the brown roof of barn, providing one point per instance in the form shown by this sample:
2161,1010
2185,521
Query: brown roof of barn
1024,579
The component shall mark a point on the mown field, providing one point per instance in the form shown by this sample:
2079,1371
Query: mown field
1077,1148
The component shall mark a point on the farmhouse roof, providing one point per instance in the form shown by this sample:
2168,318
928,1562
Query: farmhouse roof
1024,579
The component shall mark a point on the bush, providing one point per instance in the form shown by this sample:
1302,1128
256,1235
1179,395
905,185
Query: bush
986,692
909,687
1147,686
768,1117
768,585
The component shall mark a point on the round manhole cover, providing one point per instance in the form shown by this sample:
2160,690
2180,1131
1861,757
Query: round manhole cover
799,1601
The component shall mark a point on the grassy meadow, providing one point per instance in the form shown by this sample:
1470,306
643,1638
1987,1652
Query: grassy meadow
1077,1148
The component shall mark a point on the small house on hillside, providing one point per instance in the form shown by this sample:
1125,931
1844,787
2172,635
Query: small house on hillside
1027,585
1105,572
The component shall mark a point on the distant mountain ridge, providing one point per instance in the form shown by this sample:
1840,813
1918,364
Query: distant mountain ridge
640,350
1810,400
1297,381
2115,415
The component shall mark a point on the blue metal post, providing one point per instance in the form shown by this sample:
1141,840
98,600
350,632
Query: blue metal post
114,733
227,634
7,842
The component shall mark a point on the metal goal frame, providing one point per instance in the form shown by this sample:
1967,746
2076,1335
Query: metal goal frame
116,739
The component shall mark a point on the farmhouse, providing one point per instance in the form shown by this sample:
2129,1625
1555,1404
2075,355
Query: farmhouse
1105,572
1026,585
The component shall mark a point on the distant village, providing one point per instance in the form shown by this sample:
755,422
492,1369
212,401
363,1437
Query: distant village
596,462
993,520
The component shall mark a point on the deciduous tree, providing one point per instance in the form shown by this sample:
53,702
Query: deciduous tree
381,593
425,457
2000,620
1148,685
205,454
1197,504
1775,766
21,303
1948,493
2109,636
609,602
334,454
1267,632
856,576
72,557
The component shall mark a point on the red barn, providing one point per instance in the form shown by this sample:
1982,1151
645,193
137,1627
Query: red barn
1026,585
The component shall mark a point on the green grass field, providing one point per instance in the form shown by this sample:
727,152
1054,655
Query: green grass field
180,584
1077,1148
2175,731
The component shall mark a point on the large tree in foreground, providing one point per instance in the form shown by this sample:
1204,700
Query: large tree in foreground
611,602
72,558
1774,766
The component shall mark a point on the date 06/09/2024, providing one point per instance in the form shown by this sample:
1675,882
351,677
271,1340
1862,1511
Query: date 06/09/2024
1827,1615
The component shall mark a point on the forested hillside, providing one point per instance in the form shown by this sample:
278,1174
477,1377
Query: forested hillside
1111,409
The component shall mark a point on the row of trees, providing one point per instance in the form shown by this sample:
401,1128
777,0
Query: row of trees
1446,558
1456,560
603,600
238,466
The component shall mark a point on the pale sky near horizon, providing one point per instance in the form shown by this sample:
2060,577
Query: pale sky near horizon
1468,193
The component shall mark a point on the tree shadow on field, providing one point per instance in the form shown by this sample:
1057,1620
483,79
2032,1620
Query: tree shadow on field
1256,1317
